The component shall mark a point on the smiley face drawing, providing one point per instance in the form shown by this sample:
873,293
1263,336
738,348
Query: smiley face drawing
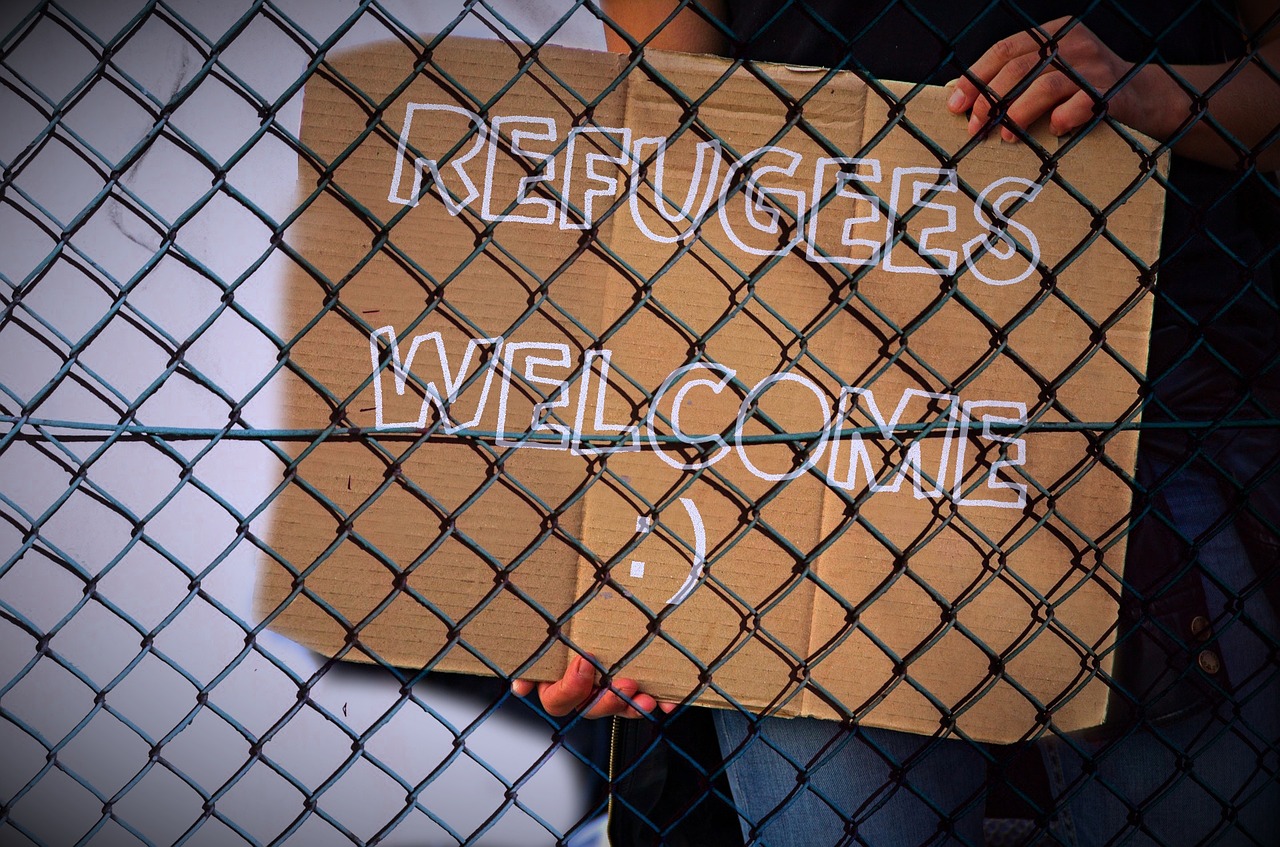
699,554
644,525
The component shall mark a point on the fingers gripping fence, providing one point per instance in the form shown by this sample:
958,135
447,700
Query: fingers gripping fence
169,437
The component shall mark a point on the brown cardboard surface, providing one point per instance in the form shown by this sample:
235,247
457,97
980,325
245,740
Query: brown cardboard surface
859,479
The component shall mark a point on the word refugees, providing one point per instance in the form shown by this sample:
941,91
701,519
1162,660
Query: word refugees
837,210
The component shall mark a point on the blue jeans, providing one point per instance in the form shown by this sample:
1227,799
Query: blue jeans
1213,777
804,782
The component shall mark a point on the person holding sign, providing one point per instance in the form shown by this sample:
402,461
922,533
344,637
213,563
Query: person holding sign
1188,752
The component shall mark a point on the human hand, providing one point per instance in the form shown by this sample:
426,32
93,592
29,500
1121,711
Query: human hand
578,688
1082,72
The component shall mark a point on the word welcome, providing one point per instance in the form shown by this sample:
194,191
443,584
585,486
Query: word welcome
770,181
849,462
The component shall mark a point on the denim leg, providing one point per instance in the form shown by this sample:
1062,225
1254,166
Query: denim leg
1210,778
803,782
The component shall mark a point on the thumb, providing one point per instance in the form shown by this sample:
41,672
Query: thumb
570,691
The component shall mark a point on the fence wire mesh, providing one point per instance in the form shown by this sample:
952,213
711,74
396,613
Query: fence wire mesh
151,156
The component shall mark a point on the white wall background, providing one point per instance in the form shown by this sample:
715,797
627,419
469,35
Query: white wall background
78,337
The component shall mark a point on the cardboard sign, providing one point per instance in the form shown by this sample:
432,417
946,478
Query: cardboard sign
763,385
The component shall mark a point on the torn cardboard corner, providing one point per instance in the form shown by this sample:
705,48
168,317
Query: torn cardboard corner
763,386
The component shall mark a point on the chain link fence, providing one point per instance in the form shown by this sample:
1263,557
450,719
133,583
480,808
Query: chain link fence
151,156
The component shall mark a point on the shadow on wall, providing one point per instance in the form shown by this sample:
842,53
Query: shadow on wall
125,571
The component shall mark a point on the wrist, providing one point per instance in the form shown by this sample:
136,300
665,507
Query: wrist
1163,102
